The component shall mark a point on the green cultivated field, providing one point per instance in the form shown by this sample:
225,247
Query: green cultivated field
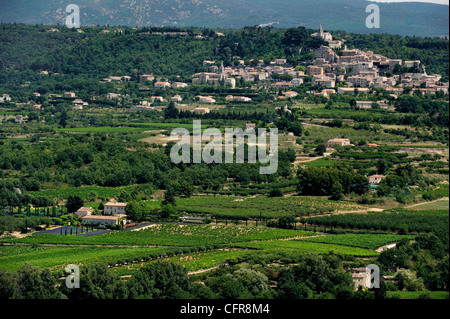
236,207
12,257
369,241
393,220
301,246
170,235
193,261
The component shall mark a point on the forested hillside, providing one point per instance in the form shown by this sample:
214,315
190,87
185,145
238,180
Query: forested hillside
28,49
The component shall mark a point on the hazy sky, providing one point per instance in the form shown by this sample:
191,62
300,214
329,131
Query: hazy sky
430,1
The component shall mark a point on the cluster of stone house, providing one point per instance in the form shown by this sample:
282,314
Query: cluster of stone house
362,69
214,77
113,214
358,69
260,72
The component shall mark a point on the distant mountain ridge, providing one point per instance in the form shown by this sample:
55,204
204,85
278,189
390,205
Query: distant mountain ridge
420,19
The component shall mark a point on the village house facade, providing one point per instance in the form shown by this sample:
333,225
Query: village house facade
114,208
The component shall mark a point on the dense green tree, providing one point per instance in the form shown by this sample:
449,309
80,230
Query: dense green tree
30,282
171,112
314,276
97,282
337,192
136,211
73,203
320,149
161,280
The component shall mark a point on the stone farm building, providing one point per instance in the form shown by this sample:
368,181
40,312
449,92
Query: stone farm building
102,220
84,211
364,104
361,277
114,208
376,179
337,141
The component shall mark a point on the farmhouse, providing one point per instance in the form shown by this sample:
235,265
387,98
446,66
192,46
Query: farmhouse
206,99
176,98
114,208
376,179
297,82
162,85
364,104
280,61
290,94
84,211
361,277
146,77
177,85
102,220
337,141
